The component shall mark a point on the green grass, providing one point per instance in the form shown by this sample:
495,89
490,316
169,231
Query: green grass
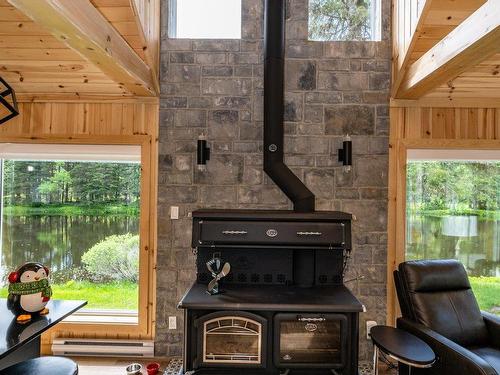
73,209
487,291
121,295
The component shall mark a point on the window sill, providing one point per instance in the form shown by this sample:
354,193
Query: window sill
104,317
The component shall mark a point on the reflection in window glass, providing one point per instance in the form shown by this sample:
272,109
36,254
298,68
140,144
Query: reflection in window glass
80,219
344,20
205,19
453,211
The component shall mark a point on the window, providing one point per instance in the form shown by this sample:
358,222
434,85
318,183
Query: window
205,19
453,211
75,208
344,20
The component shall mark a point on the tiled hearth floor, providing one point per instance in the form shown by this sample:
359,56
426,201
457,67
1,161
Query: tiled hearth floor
114,366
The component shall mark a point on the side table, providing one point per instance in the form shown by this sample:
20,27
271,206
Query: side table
401,346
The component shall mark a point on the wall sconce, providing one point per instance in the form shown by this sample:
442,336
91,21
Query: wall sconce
345,154
202,154
10,108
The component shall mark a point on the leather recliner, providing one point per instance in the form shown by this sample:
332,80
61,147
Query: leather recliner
438,306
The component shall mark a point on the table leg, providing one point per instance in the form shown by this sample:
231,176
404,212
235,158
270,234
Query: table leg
375,360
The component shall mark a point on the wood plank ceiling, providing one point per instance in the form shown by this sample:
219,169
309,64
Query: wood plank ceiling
38,64
121,15
439,18
443,16
483,80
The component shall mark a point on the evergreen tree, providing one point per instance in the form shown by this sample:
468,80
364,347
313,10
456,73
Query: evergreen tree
339,20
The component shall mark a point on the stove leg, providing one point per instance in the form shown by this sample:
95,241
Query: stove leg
287,371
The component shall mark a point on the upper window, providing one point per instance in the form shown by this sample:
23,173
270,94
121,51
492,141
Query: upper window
205,19
344,20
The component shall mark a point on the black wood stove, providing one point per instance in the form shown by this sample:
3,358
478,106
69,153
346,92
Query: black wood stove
282,306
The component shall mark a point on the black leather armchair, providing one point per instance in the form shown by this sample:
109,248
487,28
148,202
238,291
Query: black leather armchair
438,305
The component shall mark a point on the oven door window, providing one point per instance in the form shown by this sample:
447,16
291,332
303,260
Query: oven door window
232,340
311,340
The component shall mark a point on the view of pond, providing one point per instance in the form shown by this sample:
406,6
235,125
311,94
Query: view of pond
473,240
80,219
57,241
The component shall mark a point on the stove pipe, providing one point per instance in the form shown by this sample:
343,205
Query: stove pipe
274,74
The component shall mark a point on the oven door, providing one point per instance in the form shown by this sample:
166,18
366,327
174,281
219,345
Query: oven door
231,338
313,341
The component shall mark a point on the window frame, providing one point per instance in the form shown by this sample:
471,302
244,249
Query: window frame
147,233
172,24
396,224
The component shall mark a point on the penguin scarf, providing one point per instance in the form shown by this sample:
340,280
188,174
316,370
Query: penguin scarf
32,287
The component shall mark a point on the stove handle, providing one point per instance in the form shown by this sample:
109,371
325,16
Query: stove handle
234,232
310,320
309,234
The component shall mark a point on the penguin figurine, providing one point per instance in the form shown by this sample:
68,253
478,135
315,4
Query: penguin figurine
29,291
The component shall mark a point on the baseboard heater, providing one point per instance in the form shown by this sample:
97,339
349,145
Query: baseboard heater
102,348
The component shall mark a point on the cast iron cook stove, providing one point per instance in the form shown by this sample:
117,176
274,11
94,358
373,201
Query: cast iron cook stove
283,307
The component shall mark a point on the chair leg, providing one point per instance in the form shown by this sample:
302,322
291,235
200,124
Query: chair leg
403,369
375,360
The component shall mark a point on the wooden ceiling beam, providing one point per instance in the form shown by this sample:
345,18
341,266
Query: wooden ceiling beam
80,26
473,41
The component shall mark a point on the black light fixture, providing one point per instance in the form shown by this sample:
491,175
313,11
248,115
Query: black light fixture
345,154
10,105
202,154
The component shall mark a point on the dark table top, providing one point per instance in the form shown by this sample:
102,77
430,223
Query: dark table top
14,335
403,346
273,298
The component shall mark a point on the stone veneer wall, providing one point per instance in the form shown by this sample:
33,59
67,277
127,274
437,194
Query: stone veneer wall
215,88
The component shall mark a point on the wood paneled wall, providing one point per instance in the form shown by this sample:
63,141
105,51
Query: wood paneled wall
414,123
427,128
130,122
83,119
147,12
405,22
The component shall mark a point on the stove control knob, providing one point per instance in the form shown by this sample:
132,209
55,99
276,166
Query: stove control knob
287,357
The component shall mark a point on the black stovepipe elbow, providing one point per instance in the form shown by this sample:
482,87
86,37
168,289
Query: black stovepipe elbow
302,198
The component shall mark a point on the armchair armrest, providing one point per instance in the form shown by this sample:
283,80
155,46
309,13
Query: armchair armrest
493,326
451,357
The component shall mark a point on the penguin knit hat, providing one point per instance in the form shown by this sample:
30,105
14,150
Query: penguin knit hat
32,287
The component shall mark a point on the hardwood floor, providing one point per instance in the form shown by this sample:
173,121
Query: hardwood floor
116,366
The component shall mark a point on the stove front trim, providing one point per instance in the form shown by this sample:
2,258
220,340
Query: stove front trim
200,324
191,355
